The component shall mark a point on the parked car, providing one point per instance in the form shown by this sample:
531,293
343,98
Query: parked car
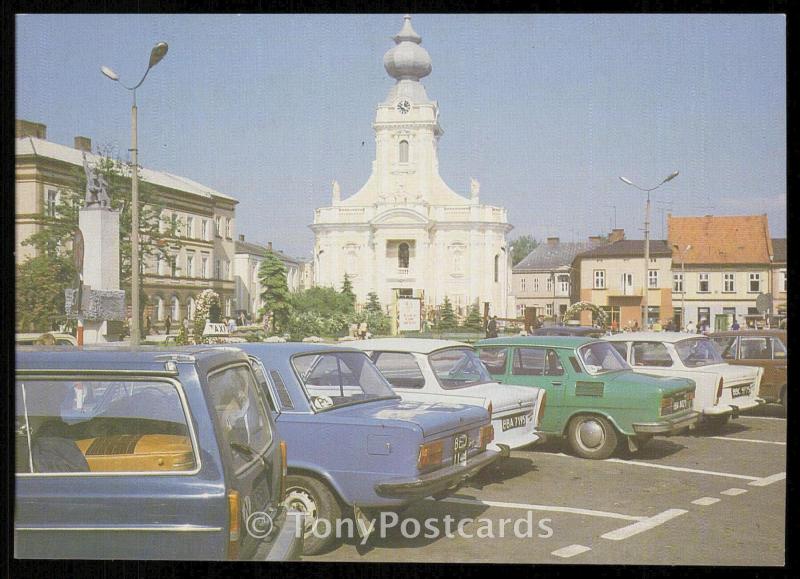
594,400
763,348
722,390
441,370
355,444
147,455
32,338
589,331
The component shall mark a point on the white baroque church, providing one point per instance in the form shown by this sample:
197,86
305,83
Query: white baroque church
405,229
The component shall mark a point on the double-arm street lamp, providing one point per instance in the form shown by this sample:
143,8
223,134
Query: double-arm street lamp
158,52
646,282
682,254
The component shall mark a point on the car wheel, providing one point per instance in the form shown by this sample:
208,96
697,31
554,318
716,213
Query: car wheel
592,436
717,422
313,498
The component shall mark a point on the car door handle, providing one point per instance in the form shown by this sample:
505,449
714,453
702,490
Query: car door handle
557,383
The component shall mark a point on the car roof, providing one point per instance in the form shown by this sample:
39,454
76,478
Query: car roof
551,341
144,358
670,337
418,345
268,350
749,332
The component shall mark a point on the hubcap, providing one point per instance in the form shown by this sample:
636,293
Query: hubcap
591,434
299,499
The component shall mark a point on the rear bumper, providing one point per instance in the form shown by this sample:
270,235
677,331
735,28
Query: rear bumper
435,482
733,408
667,426
287,543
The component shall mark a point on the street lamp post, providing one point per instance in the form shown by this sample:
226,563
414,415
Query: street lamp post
683,282
646,283
158,52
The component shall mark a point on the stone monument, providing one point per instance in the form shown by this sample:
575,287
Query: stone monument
98,300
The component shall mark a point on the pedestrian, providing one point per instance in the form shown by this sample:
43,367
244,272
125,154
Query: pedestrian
690,327
148,325
491,328
167,324
186,324
735,325
231,326
635,327
362,330
614,326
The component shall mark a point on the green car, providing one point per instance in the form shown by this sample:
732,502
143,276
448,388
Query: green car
594,399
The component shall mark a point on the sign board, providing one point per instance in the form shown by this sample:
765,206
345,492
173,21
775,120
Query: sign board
215,330
763,303
408,315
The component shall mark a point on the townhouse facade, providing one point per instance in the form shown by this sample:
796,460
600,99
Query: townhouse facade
201,253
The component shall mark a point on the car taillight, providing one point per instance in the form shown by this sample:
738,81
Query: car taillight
666,406
542,404
430,454
284,472
233,525
719,390
486,435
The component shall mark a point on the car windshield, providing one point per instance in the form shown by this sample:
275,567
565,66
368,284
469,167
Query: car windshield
697,352
458,368
333,379
600,357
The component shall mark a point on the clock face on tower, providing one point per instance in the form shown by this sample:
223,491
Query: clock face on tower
403,106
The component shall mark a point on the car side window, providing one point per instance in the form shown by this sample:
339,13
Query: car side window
529,362
650,354
622,348
552,364
778,349
726,346
755,348
494,359
94,426
400,369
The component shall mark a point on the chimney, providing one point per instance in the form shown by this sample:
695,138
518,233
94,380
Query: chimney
269,246
616,235
241,237
30,129
83,144
595,238
552,241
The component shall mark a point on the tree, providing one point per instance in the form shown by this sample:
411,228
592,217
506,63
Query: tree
347,291
474,321
373,304
157,238
40,291
206,301
447,316
521,247
275,291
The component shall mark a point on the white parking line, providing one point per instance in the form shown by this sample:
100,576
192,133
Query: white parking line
682,469
768,480
733,492
762,417
747,440
552,508
705,501
642,526
570,551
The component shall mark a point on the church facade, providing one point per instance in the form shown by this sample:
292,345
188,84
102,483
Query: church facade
405,229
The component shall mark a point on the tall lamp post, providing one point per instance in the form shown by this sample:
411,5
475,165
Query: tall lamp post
683,281
158,52
646,283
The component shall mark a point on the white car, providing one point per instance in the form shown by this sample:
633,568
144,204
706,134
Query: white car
723,390
445,371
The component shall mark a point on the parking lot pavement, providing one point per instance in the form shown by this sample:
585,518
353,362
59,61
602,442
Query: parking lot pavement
706,497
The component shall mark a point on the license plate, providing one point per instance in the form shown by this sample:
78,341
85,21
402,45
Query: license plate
515,421
679,405
460,447
737,391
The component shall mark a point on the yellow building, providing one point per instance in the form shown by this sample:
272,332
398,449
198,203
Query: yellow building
203,252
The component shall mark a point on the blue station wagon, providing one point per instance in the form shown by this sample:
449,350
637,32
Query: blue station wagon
147,455
355,445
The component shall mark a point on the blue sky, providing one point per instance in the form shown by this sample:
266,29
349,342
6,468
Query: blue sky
546,111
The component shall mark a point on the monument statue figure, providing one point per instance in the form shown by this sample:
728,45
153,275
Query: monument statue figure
96,186
474,187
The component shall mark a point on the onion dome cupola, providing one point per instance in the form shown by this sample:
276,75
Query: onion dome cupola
407,60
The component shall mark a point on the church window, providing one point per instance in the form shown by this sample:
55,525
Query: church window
497,268
402,256
404,151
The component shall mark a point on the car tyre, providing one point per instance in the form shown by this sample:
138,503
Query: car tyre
592,436
717,422
313,498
